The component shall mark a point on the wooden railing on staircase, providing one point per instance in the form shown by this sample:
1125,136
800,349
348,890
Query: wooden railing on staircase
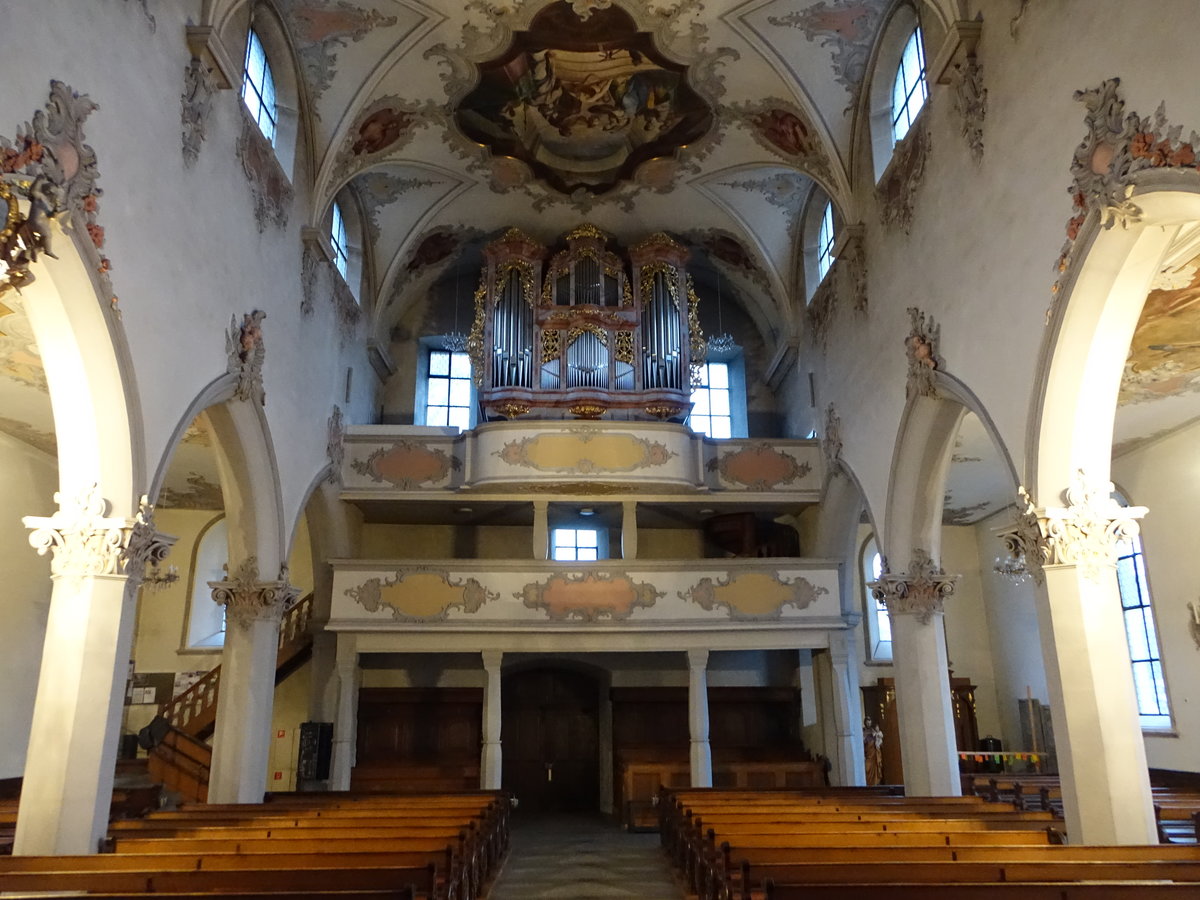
181,761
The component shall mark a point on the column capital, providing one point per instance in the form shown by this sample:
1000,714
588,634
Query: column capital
1084,532
248,600
492,658
85,540
697,659
919,592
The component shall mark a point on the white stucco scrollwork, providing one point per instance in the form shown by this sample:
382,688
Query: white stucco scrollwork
85,540
248,600
920,592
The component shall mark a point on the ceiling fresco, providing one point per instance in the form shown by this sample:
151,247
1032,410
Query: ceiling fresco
1160,387
583,98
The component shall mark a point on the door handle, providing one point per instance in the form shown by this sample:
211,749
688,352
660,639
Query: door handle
549,771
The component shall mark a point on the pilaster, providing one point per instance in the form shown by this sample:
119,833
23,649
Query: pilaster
491,761
345,723
701,752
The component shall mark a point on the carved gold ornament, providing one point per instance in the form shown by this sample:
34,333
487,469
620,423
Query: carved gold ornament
588,410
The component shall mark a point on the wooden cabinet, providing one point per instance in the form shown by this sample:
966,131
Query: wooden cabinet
879,703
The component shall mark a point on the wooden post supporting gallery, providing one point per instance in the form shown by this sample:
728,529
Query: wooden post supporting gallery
491,758
345,724
701,754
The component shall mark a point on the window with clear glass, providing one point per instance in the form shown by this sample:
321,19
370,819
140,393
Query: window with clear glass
1142,635
878,623
448,389
910,90
711,414
825,239
337,237
576,544
258,87
205,627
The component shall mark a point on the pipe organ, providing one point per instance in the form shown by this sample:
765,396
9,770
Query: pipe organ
585,332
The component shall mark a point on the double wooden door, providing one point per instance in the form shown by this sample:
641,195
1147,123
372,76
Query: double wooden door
550,738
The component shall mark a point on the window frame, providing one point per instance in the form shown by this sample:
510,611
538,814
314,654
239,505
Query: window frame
202,611
339,241
575,528
259,88
874,613
894,37
430,346
826,240
919,88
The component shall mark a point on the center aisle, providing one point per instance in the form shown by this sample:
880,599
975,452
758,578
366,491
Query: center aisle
583,858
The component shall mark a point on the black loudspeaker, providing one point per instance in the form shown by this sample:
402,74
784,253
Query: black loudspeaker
316,750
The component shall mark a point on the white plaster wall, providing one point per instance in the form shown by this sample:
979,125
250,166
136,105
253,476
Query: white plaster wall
28,479
1165,476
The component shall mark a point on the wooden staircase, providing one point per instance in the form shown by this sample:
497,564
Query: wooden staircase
182,760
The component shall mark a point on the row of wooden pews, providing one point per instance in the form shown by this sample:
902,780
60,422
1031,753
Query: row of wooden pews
391,847
1176,809
852,843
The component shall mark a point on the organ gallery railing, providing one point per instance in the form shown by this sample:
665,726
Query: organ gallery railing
574,334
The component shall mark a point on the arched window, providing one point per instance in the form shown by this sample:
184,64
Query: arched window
1154,711
339,241
205,628
910,89
875,615
258,87
825,240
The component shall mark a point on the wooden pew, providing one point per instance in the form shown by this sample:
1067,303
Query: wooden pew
1125,890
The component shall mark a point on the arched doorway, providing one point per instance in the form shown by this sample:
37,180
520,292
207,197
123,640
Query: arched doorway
551,739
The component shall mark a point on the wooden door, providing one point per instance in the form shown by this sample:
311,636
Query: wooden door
550,736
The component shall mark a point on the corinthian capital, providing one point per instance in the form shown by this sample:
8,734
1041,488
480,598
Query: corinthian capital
918,592
85,540
248,600
1084,533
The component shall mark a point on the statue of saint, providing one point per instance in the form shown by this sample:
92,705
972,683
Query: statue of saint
873,751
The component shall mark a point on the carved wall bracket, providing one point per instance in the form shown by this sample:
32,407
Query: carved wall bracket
335,446
246,353
270,188
957,65
921,348
248,600
1085,532
897,190
831,438
85,540
195,105
920,592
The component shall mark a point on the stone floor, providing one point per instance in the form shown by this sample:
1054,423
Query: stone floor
583,858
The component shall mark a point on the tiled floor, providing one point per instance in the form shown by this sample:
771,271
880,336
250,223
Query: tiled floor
583,858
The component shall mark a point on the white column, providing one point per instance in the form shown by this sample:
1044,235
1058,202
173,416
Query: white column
241,743
848,765
97,566
491,759
701,755
1097,733
541,529
629,530
923,704
345,723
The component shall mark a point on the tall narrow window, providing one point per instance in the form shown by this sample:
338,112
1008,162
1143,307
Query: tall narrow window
910,89
576,544
711,413
878,623
825,237
258,87
448,389
337,237
1141,634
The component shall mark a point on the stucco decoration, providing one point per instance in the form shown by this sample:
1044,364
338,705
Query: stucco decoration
321,28
787,191
843,287
381,130
311,257
248,600
378,189
831,438
200,493
246,352
921,348
408,465
195,105
1083,533
1164,357
421,596
730,249
1118,146
846,27
335,445
1194,622
970,101
585,452
897,190
583,103
1027,548
86,541
345,307
270,188
49,164
753,595
589,596
783,128
19,356
150,20
1014,24
920,592
759,467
